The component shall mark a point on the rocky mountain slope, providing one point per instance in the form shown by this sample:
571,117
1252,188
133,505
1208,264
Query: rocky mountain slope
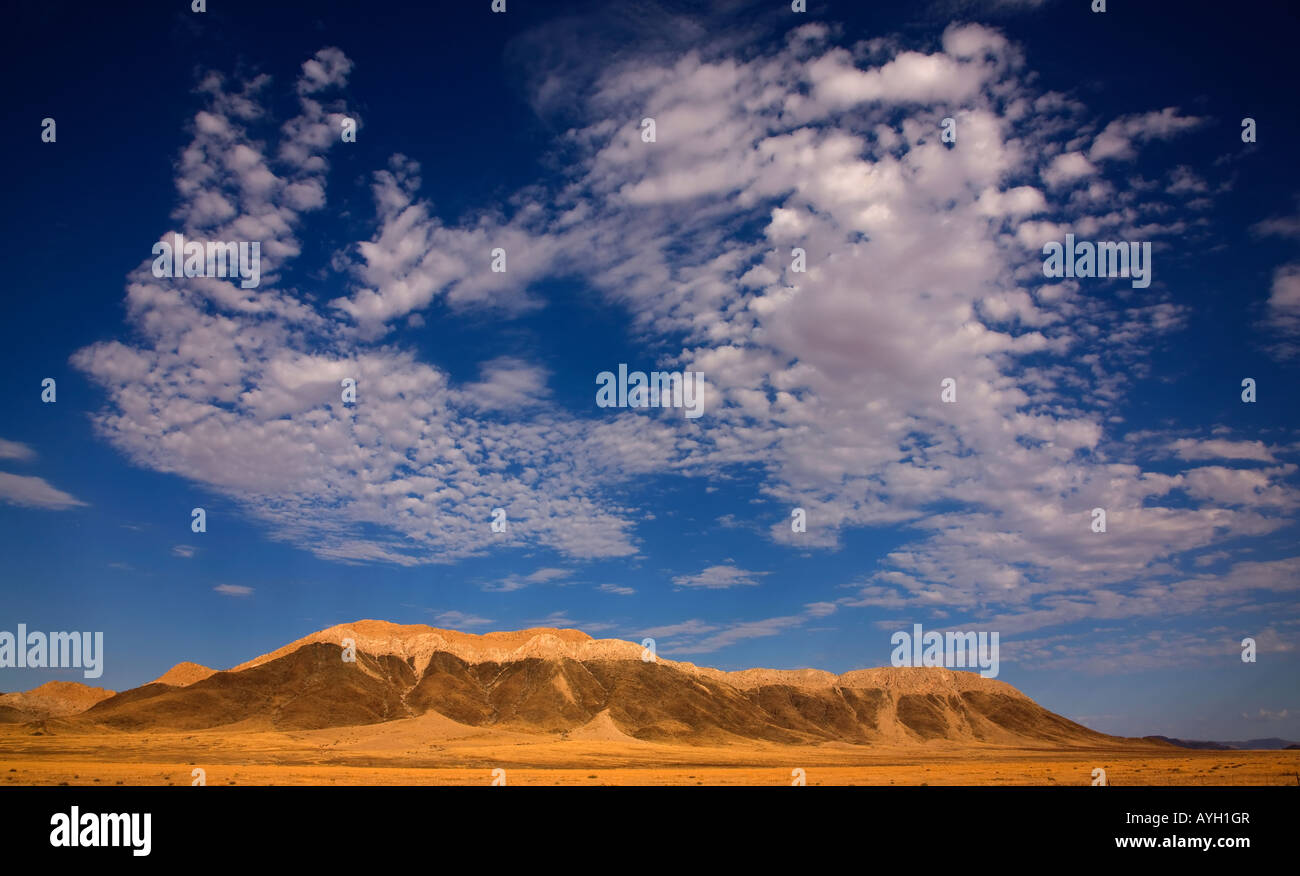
54,699
562,681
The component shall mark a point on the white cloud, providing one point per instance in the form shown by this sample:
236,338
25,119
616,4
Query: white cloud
1279,226
1219,448
34,492
518,582
235,590
1284,299
924,262
459,620
699,637
328,68
719,578
508,383
1120,138
911,77
561,620
1184,181
1067,168
15,450
230,390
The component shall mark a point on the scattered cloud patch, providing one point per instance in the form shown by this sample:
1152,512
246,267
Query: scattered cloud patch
236,590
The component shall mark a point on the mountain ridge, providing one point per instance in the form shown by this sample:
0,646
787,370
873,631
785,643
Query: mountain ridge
562,681
544,680
419,641
1271,743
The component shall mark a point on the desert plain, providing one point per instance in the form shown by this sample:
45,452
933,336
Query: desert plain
420,751
374,703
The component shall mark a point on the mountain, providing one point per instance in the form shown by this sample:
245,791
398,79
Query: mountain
54,699
1270,744
1190,743
565,682
183,674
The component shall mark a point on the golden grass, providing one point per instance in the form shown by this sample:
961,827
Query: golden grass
421,752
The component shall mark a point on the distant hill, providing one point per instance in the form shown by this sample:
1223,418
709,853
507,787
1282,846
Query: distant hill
1269,744
54,699
1272,743
183,674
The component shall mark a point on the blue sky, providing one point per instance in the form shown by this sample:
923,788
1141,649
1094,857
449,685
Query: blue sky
476,389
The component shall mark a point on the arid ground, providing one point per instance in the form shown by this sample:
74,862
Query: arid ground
419,705
431,750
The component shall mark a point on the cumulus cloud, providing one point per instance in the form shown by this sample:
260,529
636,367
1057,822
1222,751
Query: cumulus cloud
1067,168
234,384
1278,226
923,262
508,383
1219,448
1120,139
1284,299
